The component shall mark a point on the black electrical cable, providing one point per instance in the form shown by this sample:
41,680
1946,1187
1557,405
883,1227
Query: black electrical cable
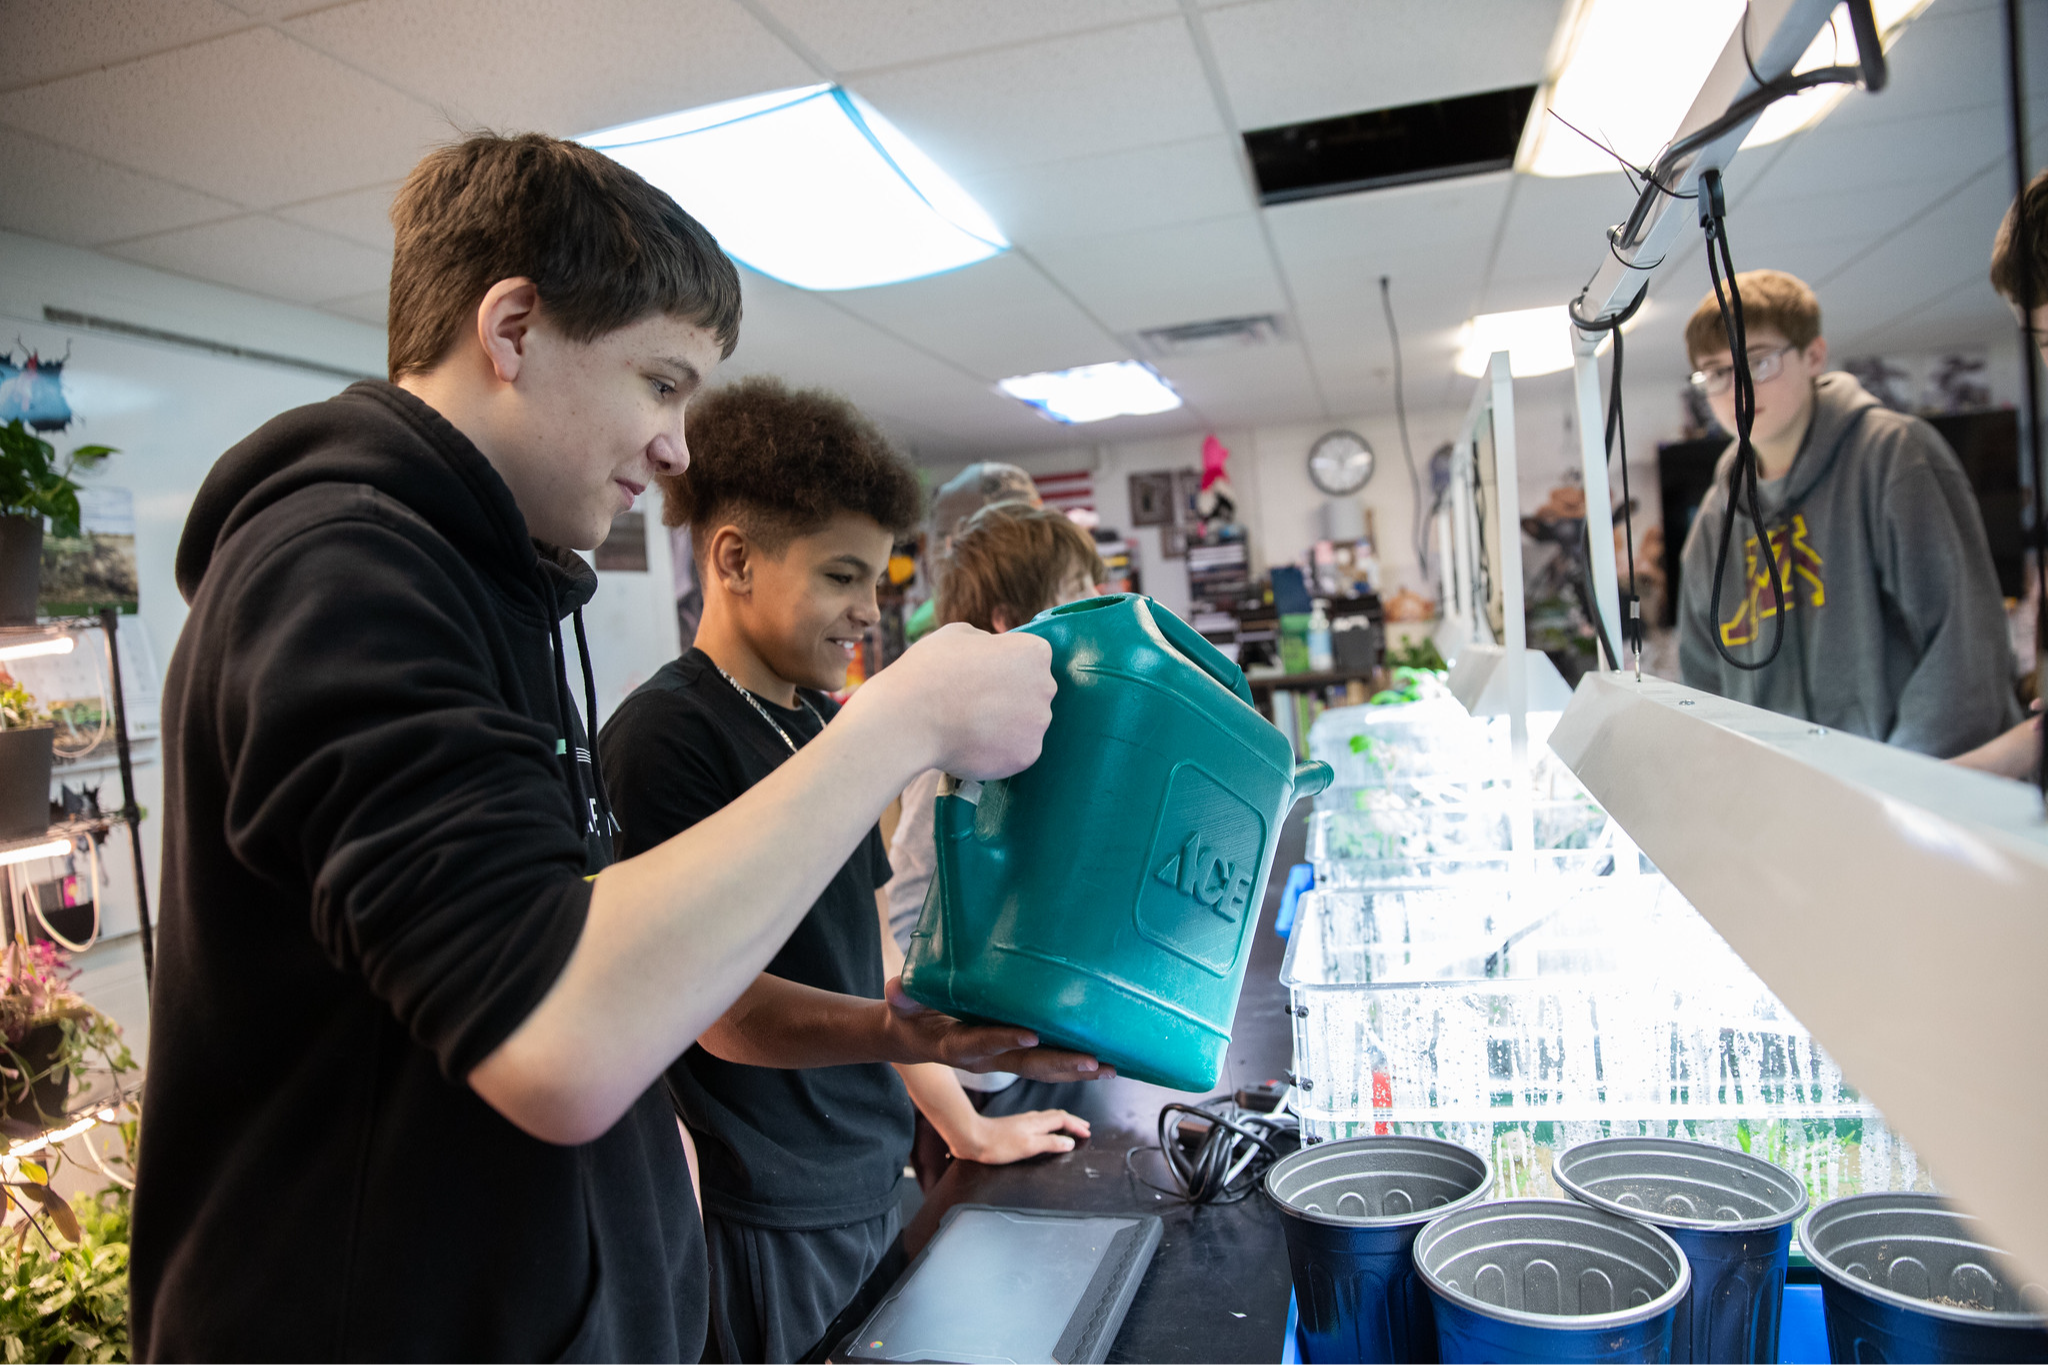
1228,1159
1419,532
1742,475
2030,360
1618,433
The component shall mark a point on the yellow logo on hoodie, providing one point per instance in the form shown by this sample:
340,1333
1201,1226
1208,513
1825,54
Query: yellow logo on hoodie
1789,548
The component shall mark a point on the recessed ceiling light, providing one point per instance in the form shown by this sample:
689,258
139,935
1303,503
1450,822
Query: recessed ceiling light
1120,388
811,186
1634,68
1537,340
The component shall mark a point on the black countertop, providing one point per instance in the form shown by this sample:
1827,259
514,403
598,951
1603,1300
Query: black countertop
1217,1288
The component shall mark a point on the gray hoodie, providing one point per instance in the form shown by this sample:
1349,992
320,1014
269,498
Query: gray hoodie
1895,628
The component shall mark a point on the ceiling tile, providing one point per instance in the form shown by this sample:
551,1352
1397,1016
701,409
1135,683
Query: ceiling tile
560,66
1189,273
265,256
1051,101
997,318
253,117
1092,196
856,34
1256,384
362,216
809,342
47,39
1559,226
68,197
371,307
1286,61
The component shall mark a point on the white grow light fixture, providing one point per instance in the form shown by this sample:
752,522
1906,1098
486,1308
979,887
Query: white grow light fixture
1119,388
1632,68
811,186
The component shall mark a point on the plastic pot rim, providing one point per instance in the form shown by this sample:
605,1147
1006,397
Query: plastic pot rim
1592,1322
1892,1298
1476,1196
1560,1174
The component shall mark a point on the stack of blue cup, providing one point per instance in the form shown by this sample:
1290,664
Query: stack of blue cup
1731,1213
1352,1210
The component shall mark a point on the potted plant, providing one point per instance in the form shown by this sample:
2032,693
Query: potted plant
26,736
46,1033
33,488
64,1261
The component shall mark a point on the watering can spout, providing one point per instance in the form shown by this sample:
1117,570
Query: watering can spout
1311,777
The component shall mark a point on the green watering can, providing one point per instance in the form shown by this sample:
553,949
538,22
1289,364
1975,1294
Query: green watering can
1106,896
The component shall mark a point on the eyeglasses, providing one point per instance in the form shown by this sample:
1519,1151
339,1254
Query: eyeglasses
1763,367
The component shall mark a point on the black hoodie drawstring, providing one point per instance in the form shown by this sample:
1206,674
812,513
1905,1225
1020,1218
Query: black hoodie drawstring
608,823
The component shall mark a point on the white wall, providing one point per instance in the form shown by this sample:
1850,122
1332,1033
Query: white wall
170,411
1284,510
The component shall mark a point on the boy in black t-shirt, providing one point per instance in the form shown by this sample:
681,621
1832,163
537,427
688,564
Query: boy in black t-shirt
801,1127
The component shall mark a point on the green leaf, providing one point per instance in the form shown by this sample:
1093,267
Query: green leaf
34,1172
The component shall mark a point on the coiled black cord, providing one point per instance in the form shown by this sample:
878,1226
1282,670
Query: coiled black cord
1742,479
1227,1161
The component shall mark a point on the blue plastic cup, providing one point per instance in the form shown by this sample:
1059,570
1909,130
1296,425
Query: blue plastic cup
1352,1211
1550,1279
1906,1276
1730,1213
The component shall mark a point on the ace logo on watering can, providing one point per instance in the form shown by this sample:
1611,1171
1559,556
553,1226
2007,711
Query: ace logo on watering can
1205,852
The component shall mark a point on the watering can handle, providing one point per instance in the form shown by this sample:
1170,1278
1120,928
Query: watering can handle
1310,777
1200,652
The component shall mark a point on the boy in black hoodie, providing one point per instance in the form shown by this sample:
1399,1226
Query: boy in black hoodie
405,1047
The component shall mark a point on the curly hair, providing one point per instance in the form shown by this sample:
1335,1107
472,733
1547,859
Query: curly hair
2022,266
779,463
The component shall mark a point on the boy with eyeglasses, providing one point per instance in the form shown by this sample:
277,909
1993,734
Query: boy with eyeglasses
1894,628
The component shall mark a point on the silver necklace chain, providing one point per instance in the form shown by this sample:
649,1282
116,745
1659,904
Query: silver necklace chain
762,711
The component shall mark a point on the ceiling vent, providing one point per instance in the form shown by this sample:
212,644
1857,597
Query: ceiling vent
1434,140
1217,334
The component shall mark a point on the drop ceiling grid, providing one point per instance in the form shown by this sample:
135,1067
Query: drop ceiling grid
1053,100
254,118
870,38
558,66
264,255
1288,61
996,318
67,196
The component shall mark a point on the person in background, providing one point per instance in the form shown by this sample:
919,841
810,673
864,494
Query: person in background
960,497
1895,628
2019,272
802,1129
409,1019
1008,563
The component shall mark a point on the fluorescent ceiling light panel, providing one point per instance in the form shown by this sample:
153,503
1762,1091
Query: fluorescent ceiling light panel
1537,340
1120,388
810,186
1634,67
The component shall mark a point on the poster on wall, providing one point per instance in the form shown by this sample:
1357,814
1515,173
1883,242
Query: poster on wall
96,569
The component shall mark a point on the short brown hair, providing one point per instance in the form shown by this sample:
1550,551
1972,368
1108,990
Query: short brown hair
779,462
2008,254
1770,298
602,246
1013,557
